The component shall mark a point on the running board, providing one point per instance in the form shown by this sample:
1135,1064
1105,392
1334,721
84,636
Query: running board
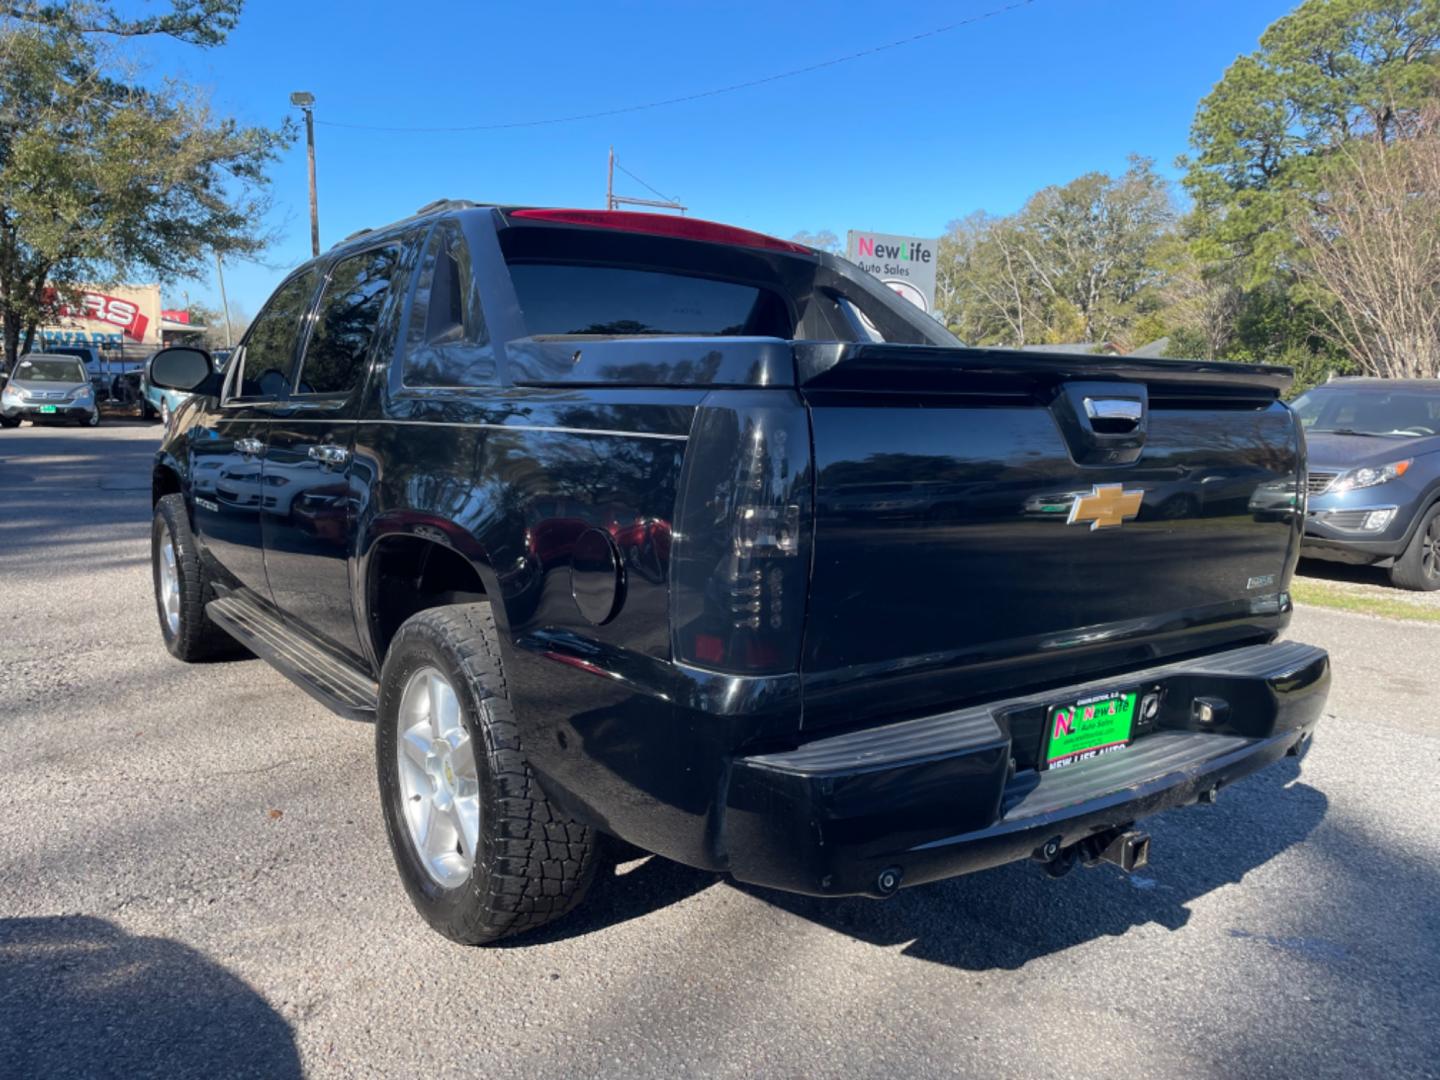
297,654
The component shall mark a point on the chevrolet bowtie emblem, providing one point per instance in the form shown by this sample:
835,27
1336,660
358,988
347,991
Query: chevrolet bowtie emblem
1105,507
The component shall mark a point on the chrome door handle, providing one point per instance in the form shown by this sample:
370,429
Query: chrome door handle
249,447
329,454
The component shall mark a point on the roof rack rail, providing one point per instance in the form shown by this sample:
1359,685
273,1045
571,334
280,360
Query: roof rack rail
444,204
428,208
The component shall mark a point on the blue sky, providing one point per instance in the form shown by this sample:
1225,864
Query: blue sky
903,141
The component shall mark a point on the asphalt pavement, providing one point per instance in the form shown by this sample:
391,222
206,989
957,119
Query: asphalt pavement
194,880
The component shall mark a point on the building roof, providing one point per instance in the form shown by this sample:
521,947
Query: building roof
1154,348
1082,348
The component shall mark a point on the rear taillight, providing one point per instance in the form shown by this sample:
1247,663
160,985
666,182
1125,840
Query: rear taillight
740,562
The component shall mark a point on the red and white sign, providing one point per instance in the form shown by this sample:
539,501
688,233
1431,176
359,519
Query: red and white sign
112,310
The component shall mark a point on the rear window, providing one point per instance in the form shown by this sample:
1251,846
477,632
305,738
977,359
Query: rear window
573,299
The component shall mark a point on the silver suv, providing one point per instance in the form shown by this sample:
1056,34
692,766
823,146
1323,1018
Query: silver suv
48,387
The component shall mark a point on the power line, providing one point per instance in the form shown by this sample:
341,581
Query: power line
698,95
642,183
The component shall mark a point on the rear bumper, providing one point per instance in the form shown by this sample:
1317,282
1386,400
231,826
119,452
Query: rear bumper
32,412
939,796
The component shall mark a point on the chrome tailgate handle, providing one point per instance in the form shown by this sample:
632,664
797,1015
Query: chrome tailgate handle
1115,413
1104,423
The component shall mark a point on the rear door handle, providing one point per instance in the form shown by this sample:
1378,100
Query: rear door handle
250,447
329,454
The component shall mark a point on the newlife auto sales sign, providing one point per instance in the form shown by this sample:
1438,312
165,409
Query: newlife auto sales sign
904,263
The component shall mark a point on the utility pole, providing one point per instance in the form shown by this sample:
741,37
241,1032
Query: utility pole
225,304
305,101
614,202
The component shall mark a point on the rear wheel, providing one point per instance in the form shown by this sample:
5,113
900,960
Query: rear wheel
481,851
1419,567
9,421
183,588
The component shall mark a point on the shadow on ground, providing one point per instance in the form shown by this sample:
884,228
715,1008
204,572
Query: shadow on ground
620,893
81,997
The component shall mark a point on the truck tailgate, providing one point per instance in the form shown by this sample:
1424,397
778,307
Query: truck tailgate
989,520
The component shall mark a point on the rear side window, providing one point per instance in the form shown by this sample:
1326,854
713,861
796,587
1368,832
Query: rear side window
446,343
346,321
615,300
270,345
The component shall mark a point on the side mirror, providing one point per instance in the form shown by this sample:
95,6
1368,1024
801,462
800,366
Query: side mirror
184,368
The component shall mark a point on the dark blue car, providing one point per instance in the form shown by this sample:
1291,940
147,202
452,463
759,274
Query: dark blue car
1374,476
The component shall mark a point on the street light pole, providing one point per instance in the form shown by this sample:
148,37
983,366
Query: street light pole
305,101
224,303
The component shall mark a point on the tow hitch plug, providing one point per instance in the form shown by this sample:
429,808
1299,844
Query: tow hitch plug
1129,850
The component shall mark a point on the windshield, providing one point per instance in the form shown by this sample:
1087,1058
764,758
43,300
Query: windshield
56,371
1377,412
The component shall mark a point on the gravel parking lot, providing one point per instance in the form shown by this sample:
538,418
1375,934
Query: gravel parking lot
194,880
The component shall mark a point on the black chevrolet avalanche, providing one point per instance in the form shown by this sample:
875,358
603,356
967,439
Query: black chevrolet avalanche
632,526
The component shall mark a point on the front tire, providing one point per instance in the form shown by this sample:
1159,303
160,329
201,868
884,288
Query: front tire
183,587
1419,567
481,851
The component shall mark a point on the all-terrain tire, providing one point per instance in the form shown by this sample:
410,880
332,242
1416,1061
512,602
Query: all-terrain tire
532,864
192,637
1419,567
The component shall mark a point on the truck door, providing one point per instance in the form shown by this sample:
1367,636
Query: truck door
227,455
312,490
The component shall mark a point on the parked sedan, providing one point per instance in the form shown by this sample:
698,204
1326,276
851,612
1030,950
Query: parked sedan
1374,476
48,387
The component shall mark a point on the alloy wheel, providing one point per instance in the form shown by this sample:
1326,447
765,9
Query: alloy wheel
1430,550
439,786
170,586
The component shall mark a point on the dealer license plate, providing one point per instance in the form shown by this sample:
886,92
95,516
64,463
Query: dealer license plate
1097,725
47,408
